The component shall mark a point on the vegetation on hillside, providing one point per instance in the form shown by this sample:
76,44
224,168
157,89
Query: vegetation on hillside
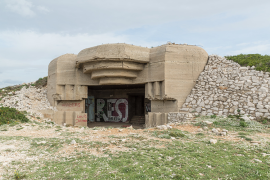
10,90
262,63
11,116
41,82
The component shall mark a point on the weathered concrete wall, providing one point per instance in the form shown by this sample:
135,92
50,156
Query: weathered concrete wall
172,73
74,118
114,93
183,65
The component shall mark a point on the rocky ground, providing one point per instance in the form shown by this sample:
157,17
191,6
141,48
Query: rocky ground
30,99
42,150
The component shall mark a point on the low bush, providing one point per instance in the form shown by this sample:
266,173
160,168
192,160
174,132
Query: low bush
41,82
261,63
243,124
11,116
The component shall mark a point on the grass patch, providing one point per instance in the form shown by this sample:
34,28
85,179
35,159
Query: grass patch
199,134
232,123
243,133
178,160
244,137
19,128
167,134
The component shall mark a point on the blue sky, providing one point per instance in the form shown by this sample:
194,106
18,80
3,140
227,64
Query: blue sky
32,33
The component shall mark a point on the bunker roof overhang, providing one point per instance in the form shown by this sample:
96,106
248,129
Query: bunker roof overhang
113,63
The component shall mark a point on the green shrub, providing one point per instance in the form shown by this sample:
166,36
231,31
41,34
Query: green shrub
261,63
11,116
243,124
213,116
41,82
264,121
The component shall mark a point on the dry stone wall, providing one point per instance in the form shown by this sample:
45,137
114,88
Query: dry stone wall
224,87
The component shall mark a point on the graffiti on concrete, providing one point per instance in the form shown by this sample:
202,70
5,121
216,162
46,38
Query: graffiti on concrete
148,107
112,110
81,119
71,104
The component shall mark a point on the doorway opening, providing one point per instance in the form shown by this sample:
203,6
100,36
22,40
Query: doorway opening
116,104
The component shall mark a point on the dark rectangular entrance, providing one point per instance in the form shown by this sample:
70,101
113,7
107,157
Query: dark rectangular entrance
136,108
117,103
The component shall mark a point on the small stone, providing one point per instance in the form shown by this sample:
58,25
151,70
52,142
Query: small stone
200,130
120,130
130,127
224,130
172,138
162,127
205,128
223,87
208,122
41,142
223,133
213,141
73,142
214,130
257,160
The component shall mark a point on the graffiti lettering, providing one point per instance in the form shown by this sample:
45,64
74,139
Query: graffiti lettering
81,118
71,104
113,110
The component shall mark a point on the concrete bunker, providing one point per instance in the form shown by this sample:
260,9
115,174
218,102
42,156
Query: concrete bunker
123,83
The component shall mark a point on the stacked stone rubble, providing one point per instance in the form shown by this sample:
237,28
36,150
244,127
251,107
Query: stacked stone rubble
31,100
224,87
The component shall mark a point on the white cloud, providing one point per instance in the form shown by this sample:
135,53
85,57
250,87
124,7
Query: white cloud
22,7
42,9
26,56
